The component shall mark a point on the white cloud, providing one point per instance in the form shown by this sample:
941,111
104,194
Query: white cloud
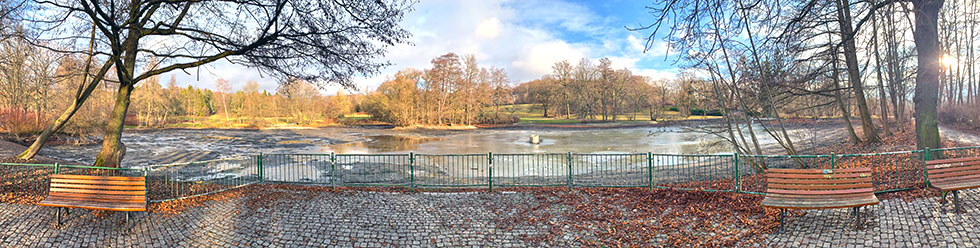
536,59
524,37
489,28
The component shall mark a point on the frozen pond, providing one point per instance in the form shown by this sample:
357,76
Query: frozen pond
182,145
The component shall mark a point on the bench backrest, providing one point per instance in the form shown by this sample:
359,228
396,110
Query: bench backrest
814,183
954,169
106,189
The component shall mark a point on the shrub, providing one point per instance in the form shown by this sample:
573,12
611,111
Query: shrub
19,122
965,115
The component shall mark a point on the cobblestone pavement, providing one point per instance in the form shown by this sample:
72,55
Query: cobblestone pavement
922,222
301,219
387,219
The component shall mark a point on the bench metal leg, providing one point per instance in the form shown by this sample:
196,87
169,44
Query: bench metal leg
782,212
956,201
942,199
127,216
857,217
58,214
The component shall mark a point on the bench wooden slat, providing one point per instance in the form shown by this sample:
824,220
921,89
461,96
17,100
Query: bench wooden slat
952,165
821,171
819,176
951,160
111,178
820,186
818,197
824,203
946,172
951,186
952,175
93,205
99,182
96,199
821,192
105,192
815,181
973,177
92,186
112,197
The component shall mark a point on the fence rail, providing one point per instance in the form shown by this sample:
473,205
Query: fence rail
891,171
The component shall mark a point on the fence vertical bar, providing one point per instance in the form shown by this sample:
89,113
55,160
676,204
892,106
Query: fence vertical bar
569,170
56,166
833,161
490,173
261,170
738,188
333,169
146,180
927,156
411,170
650,169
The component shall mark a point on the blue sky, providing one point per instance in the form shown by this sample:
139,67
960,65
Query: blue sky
523,37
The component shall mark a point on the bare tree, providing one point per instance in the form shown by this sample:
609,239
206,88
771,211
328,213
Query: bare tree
317,41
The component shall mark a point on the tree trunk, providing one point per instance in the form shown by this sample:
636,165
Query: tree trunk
854,70
845,114
881,87
112,151
927,79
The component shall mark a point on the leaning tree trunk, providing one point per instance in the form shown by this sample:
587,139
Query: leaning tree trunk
83,95
927,79
85,89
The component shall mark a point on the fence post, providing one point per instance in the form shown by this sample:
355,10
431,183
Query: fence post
261,170
833,161
146,180
926,157
411,168
333,169
569,170
490,174
650,169
737,174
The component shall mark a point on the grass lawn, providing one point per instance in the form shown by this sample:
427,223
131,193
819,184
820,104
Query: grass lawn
534,113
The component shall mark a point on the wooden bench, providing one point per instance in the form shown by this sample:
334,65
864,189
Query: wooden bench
96,192
952,175
819,189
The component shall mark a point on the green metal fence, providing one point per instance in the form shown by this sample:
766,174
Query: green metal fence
21,183
30,182
891,171
694,172
183,180
530,170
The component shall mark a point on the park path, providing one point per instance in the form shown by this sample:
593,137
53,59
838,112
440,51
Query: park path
391,219
959,136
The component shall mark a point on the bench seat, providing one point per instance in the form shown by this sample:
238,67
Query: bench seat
111,193
820,203
953,175
819,189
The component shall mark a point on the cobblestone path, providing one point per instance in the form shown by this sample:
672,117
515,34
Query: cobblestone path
386,219
922,222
